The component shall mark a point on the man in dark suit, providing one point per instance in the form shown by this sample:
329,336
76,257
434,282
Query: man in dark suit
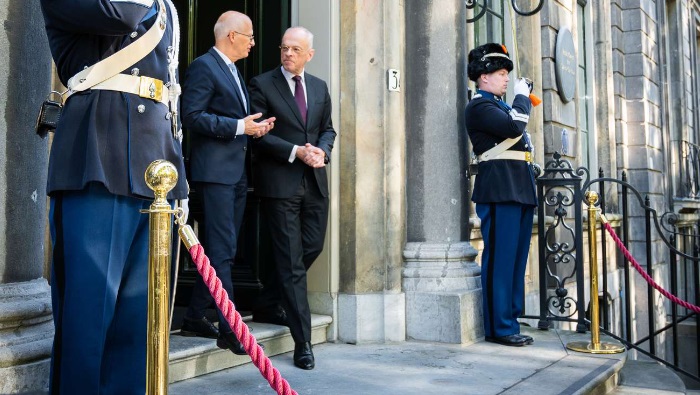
215,108
107,136
292,181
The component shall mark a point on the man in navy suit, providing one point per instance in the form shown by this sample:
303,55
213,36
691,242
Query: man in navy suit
215,108
292,181
105,139
504,190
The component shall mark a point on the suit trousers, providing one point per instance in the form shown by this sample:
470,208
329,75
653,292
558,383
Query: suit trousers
224,207
99,285
506,229
297,228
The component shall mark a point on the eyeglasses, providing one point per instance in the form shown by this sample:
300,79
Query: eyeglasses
296,50
251,37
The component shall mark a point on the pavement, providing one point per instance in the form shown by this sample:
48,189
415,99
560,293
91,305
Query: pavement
413,367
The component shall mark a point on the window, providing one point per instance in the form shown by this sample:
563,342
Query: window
490,27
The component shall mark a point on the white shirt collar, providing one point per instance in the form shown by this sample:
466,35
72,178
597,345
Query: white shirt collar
224,57
288,76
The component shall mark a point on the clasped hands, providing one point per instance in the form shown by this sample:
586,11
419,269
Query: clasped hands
312,156
258,129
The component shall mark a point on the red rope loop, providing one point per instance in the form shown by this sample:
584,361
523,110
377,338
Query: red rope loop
269,372
644,274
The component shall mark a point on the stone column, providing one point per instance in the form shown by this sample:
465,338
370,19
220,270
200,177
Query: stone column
440,277
26,330
371,304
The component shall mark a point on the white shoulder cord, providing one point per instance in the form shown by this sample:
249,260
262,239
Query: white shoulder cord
173,56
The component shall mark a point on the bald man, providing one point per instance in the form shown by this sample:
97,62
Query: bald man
215,110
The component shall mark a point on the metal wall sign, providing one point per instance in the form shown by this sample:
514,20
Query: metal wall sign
565,65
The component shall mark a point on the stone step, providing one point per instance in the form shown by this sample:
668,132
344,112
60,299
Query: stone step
647,377
194,356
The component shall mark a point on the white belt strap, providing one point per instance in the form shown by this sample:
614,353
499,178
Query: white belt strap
498,149
122,59
512,155
147,87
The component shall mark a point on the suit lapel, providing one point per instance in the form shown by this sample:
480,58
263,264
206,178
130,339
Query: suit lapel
283,87
229,76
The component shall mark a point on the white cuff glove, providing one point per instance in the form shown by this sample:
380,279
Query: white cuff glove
184,205
521,87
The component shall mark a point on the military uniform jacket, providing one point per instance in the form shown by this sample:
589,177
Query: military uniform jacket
108,136
489,123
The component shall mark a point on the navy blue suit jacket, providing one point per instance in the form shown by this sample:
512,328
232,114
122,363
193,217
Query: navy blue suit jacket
499,181
102,136
274,176
211,108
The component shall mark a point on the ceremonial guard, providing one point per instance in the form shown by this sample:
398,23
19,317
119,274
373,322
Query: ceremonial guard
504,191
118,60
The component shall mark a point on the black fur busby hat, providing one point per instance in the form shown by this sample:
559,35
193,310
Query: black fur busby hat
486,59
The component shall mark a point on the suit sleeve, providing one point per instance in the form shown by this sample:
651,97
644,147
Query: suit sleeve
327,134
276,147
197,94
99,17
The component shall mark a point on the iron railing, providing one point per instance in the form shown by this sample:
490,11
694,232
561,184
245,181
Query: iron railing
560,192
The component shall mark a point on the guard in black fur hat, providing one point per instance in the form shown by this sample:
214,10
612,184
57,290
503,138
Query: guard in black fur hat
504,190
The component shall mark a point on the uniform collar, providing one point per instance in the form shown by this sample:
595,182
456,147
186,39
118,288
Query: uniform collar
488,95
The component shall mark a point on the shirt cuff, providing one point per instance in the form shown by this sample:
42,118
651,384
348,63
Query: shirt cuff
294,154
240,129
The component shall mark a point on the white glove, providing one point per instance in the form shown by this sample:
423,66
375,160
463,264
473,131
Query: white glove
184,205
521,87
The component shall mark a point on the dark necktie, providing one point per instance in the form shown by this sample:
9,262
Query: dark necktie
299,97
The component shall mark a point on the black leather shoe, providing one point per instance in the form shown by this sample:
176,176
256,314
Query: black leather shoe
201,327
510,340
229,341
275,316
528,339
304,356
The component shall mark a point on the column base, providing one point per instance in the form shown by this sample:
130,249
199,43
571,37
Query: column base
26,336
449,317
371,318
443,292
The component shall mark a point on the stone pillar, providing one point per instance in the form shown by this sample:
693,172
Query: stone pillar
26,331
372,137
440,277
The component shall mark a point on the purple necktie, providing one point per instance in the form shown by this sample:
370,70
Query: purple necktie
299,97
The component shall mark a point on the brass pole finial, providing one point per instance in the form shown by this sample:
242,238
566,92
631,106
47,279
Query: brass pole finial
595,346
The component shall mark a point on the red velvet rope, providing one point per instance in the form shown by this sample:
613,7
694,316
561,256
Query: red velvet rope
644,274
269,372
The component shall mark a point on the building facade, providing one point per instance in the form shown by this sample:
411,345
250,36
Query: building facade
403,245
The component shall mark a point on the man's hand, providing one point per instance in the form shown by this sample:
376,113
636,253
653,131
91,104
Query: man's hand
312,156
258,129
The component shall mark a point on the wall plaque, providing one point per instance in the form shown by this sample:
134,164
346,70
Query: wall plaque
565,65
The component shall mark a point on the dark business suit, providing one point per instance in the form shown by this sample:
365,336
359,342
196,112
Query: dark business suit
211,107
101,148
294,195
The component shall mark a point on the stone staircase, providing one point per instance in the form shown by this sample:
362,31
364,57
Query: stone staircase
193,356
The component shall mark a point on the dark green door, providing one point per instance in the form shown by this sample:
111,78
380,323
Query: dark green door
197,18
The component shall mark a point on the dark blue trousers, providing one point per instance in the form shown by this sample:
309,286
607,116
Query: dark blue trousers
506,229
99,284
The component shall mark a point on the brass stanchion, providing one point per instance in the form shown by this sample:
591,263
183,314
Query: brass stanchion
161,177
595,346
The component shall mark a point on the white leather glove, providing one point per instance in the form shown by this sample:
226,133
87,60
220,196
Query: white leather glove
521,87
